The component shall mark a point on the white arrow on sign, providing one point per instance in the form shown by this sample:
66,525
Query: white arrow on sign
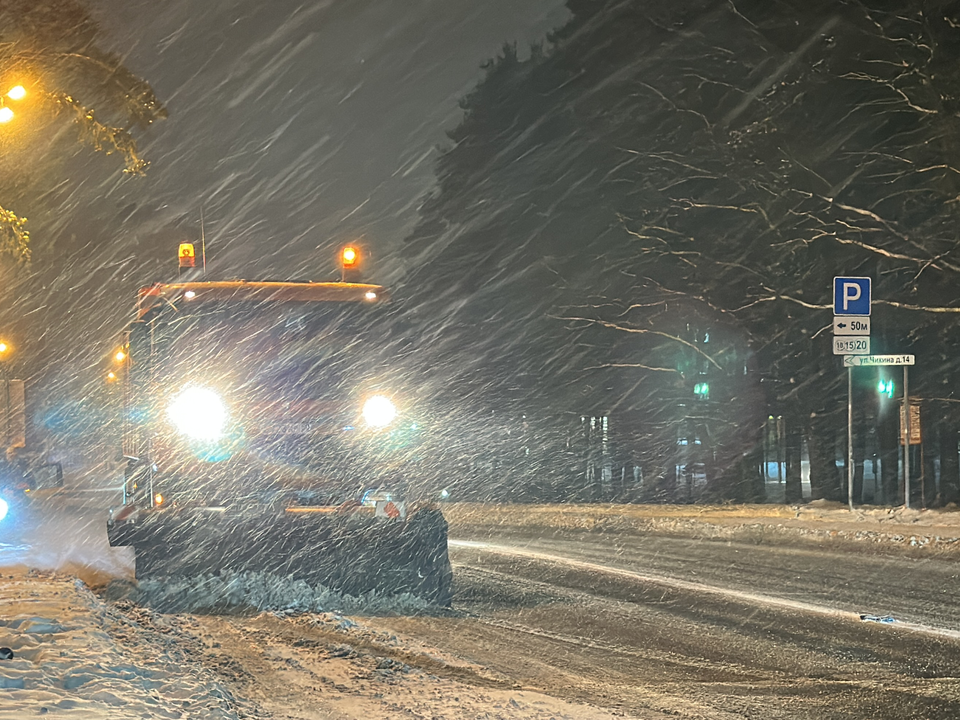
871,360
851,325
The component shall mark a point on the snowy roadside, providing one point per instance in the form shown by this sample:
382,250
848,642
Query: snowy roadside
77,657
313,666
824,524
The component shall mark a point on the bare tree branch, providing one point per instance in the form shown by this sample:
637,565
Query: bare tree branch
644,331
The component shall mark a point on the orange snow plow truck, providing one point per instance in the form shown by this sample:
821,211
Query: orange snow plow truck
266,430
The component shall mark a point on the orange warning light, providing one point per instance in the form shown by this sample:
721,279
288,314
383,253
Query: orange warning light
188,257
349,257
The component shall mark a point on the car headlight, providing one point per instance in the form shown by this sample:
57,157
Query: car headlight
378,411
199,413
3,508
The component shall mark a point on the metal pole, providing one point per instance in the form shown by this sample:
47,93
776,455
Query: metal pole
8,414
850,437
906,442
203,243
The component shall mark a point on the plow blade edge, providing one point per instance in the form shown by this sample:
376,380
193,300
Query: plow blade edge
352,554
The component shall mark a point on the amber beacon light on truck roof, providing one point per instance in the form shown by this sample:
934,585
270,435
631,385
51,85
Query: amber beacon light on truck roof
187,255
349,260
350,264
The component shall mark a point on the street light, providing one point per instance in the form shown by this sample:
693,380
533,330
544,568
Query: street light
5,352
120,356
17,92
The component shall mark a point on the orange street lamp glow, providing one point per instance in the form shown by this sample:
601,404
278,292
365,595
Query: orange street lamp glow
111,376
3,347
120,356
17,92
6,114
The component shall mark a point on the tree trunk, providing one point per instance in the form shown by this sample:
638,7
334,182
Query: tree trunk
930,425
824,475
949,463
928,480
742,481
756,475
859,454
888,450
793,490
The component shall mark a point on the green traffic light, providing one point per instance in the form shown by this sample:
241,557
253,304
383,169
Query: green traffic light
885,387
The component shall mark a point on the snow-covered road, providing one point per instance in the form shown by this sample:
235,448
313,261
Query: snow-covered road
548,622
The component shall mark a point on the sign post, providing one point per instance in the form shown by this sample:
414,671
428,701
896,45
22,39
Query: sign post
906,445
909,432
850,438
851,337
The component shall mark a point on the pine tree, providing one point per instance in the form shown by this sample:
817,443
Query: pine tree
49,54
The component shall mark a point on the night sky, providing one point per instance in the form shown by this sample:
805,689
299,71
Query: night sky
298,125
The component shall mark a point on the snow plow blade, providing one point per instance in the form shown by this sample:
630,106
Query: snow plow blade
354,554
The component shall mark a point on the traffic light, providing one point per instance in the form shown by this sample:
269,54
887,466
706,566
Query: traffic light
701,390
885,387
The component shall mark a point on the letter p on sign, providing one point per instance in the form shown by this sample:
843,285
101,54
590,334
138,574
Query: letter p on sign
851,296
851,292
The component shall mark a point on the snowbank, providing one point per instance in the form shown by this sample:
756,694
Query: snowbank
75,657
821,523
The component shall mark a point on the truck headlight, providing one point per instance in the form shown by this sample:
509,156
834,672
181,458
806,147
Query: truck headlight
378,411
198,413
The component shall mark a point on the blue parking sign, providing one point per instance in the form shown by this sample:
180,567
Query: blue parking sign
851,296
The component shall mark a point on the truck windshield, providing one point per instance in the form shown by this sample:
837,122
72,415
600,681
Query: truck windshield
273,350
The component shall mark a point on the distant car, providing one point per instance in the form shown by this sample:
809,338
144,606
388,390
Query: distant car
374,495
13,484
19,479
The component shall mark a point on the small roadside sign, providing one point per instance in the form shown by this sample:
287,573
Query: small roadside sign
873,360
916,437
851,325
851,344
851,296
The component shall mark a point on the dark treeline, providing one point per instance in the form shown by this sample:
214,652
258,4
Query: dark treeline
639,223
